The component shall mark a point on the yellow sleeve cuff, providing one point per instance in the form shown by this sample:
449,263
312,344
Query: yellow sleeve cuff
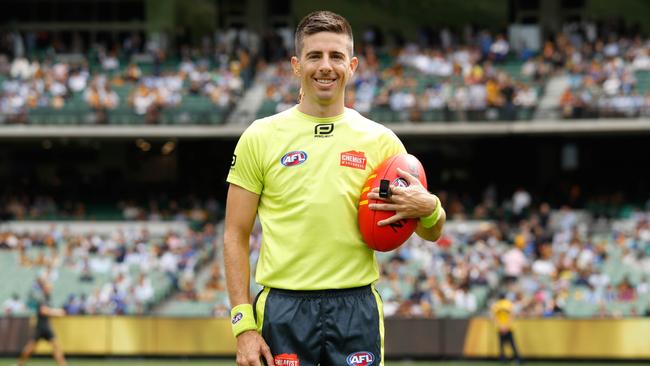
429,221
242,319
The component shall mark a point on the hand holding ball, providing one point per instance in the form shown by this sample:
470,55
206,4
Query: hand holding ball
386,177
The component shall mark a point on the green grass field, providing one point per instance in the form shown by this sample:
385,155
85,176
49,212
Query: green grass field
192,362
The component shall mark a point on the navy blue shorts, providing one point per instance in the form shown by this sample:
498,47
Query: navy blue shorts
43,332
329,327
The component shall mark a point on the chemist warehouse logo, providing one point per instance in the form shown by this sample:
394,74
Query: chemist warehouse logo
294,158
353,159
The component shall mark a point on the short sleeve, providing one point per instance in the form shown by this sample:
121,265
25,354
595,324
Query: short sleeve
246,165
392,145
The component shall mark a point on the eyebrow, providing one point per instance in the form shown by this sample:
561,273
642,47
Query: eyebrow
318,53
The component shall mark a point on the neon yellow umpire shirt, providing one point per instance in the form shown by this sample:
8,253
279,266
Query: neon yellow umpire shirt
309,173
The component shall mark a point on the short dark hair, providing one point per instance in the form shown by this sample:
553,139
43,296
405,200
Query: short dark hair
321,21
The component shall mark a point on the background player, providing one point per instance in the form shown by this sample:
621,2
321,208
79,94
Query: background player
43,329
502,314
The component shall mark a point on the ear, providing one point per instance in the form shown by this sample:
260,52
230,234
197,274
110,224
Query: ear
295,65
354,63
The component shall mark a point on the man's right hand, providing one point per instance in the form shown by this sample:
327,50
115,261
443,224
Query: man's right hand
250,348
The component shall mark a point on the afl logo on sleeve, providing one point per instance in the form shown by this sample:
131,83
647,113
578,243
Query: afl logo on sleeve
323,130
293,158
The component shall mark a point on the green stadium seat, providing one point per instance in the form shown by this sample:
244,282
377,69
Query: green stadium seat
267,108
216,117
643,81
620,308
429,116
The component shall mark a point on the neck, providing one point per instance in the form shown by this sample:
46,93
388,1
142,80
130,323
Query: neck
320,110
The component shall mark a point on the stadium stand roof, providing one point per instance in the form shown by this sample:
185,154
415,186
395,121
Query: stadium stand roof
541,127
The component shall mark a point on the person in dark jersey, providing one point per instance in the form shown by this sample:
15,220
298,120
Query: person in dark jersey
43,329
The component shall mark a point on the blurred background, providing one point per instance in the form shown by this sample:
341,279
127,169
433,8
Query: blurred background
118,119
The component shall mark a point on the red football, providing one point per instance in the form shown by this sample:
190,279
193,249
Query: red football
389,237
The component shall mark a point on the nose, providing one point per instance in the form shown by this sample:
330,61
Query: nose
325,66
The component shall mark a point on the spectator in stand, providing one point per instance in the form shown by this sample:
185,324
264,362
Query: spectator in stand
73,305
521,201
143,293
86,274
463,299
526,98
499,49
215,283
544,265
626,293
514,262
13,306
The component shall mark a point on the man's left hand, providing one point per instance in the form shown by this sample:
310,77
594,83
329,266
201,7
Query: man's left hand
409,202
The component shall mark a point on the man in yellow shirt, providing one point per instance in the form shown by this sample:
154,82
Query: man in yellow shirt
502,314
302,172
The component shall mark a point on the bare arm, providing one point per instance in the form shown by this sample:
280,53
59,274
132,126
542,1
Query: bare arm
241,208
54,312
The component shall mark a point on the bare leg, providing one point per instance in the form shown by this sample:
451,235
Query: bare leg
27,351
58,352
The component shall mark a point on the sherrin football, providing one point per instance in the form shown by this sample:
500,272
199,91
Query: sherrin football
389,237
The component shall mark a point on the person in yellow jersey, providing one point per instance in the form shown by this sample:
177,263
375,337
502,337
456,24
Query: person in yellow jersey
503,315
302,172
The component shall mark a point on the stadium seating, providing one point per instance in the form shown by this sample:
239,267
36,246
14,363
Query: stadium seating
65,270
418,279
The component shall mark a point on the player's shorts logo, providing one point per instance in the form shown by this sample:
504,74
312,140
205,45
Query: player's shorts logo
237,318
286,359
362,358
294,158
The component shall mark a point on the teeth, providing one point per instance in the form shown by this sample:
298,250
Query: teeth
324,81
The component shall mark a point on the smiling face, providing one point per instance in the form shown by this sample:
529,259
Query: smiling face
324,67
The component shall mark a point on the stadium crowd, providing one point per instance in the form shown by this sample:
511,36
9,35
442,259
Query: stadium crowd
482,78
418,82
440,76
607,74
121,80
549,261
124,272
157,208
